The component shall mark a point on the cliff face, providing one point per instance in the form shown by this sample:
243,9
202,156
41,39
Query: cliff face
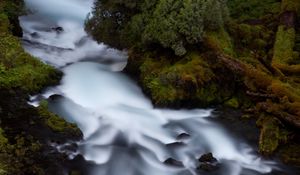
251,62
24,130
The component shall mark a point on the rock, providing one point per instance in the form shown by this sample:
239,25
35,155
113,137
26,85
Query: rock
183,136
175,144
70,148
173,162
35,35
208,163
207,167
208,158
58,29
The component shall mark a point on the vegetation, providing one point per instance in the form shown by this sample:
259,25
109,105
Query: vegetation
191,53
56,123
17,68
170,23
22,148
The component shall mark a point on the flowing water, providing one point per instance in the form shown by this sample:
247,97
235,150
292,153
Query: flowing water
123,133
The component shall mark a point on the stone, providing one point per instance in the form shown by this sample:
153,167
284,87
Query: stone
58,29
208,163
173,162
207,158
183,136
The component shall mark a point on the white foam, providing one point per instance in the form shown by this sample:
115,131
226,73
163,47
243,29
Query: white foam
115,110
123,133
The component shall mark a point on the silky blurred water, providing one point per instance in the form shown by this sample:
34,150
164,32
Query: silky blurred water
123,133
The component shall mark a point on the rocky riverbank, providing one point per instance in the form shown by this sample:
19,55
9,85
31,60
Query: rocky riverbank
25,131
247,61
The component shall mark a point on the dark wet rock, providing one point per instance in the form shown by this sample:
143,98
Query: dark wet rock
71,148
208,163
35,35
175,144
30,135
173,162
207,158
58,29
183,136
55,97
207,167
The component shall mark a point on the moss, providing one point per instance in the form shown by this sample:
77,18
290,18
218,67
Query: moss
20,70
282,90
55,122
4,23
290,154
271,134
220,41
233,103
17,68
290,5
283,48
252,9
190,79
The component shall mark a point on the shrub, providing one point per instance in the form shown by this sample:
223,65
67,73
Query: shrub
167,23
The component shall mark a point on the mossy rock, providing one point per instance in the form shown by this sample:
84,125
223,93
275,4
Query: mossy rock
284,45
290,154
190,81
233,103
272,134
20,70
56,123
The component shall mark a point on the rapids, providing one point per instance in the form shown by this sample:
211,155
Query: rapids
123,133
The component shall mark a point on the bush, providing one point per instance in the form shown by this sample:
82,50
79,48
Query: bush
167,23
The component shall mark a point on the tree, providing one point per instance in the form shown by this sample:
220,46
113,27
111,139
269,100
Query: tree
171,24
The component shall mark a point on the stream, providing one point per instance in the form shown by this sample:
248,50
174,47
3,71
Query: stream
123,133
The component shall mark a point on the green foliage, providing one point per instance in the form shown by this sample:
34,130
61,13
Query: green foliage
21,151
169,23
190,80
220,41
252,9
4,23
290,5
284,45
19,69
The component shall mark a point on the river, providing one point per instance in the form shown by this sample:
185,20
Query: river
123,133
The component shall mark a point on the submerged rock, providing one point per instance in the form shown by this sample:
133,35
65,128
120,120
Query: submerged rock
173,162
57,29
183,136
35,35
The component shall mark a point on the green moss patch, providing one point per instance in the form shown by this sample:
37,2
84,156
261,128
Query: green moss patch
271,134
20,70
56,123
252,9
283,48
191,80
